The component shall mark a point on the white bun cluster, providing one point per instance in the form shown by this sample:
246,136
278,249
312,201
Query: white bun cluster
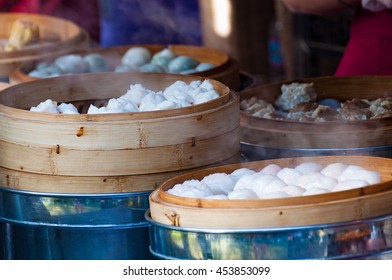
273,181
140,99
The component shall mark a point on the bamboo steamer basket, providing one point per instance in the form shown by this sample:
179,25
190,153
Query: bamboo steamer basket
226,69
110,152
320,135
334,207
57,36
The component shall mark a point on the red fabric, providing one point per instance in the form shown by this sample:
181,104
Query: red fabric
30,6
369,50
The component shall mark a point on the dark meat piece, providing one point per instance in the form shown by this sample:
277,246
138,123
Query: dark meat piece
325,113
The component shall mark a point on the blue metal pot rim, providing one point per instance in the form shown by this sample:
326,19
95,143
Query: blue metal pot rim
85,211
77,226
76,195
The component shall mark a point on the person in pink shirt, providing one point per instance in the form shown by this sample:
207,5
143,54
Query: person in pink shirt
368,51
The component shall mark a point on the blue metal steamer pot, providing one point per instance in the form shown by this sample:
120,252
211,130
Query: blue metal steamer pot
73,226
362,239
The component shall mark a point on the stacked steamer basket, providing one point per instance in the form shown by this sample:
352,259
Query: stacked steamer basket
225,70
56,36
347,224
263,138
83,180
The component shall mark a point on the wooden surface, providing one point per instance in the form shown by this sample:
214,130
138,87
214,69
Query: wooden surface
331,134
57,36
226,69
369,201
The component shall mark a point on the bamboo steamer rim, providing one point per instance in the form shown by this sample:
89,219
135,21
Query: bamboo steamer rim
311,127
219,58
252,121
72,35
126,133
223,90
386,185
20,59
25,181
337,211
331,81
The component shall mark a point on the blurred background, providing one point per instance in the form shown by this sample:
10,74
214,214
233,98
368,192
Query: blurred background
268,41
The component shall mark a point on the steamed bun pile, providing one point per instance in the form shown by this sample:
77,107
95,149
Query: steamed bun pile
135,59
273,181
140,99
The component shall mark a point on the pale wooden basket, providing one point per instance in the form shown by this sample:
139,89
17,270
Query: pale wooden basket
320,135
57,36
226,69
370,201
102,145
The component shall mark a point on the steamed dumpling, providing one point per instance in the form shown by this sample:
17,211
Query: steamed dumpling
349,184
150,67
136,56
238,173
334,170
150,101
163,58
135,93
271,169
242,194
191,188
67,108
47,106
267,183
96,63
182,63
289,175
372,177
277,194
126,68
293,190
314,191
348,172
316,180
72,63
309,167
219,183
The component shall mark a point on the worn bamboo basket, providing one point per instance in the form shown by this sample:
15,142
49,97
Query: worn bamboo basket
226,69
334,207
110,152
367,135
57,36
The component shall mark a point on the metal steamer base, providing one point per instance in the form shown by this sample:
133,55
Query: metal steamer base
364,239
55,226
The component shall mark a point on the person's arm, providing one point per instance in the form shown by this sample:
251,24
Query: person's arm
320,7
